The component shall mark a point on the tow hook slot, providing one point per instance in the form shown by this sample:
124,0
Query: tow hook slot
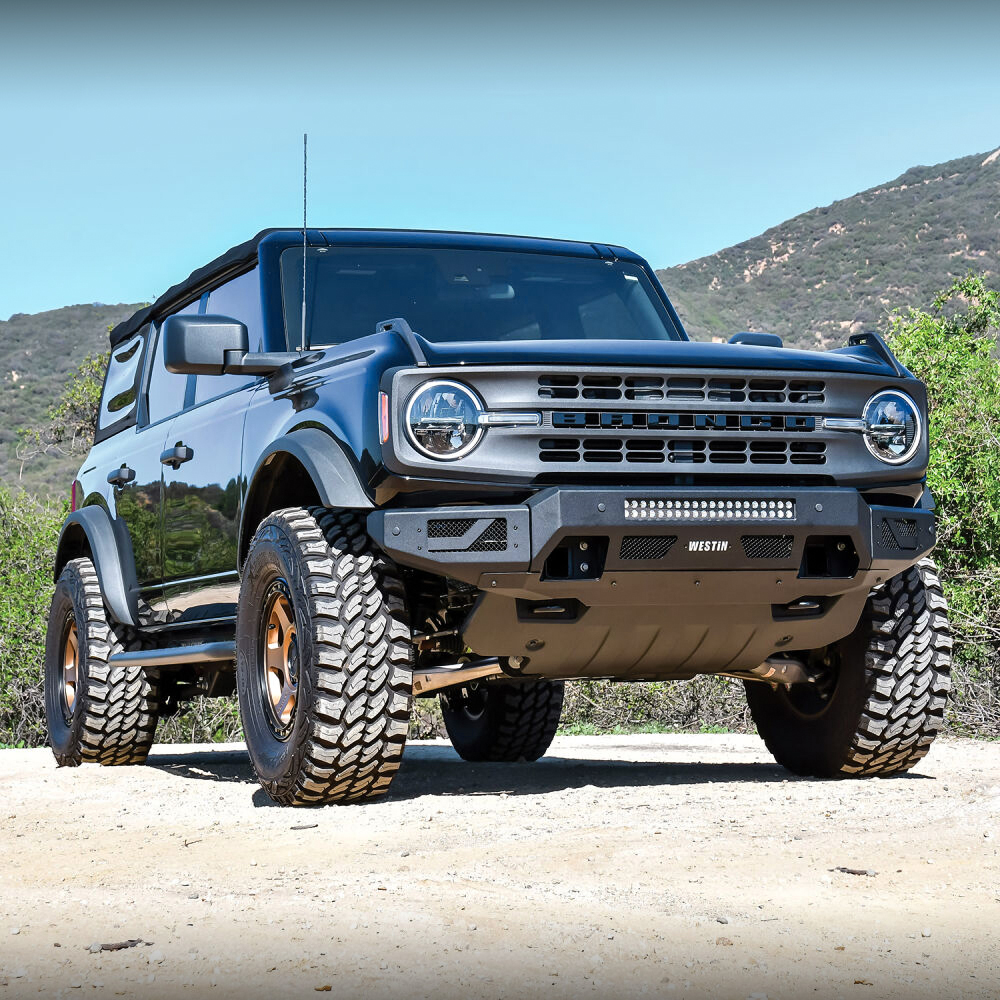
802,607
577,558
550,611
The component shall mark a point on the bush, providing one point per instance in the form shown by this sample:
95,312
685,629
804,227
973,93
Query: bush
953,348
28,532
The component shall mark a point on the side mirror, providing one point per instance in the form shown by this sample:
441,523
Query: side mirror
217,345
198,345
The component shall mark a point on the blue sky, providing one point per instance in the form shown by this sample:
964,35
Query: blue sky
139,141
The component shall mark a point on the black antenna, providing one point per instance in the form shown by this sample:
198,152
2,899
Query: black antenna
305,140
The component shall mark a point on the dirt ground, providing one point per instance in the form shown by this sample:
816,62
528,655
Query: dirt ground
615,867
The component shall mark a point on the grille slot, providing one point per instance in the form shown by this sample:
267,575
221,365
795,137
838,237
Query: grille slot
681,451
450,528
646,547
726,390
767,546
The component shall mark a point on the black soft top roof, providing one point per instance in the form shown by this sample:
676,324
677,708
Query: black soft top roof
241,257
183,291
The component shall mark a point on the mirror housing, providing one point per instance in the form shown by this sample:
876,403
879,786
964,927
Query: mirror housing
197,345
215,345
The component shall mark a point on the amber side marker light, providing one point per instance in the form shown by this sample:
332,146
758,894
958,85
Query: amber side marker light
72,496
383,417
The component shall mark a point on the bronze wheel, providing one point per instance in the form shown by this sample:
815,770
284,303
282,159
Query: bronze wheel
323,659
280,655
70,669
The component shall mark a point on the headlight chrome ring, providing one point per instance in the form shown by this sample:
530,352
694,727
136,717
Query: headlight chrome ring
442,420
893,428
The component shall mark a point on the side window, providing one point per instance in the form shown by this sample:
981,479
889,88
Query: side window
120,396
166,391
238,299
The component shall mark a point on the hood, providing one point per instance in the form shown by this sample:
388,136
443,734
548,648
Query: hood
859,358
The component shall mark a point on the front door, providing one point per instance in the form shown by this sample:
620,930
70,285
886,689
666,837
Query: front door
201,508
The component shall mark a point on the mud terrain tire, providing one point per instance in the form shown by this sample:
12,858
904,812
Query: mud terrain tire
348,675
888,701
106,714
506,721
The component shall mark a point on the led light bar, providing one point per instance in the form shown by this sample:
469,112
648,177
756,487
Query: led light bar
692,509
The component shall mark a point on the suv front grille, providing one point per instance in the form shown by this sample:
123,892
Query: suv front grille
691,388
685,451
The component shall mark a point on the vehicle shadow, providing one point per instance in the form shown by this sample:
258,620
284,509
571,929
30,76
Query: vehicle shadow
439,771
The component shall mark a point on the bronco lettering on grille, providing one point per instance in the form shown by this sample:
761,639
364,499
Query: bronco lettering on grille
610,420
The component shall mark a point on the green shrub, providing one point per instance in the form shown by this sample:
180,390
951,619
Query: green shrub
953,349
28,532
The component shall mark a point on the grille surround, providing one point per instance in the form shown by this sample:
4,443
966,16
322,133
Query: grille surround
718,437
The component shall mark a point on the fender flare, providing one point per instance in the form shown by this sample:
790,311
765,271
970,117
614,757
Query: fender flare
115,574
332,471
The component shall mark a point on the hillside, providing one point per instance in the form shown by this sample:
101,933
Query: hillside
37,355
837,270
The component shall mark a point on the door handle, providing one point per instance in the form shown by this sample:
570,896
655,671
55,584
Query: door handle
175,457
122,476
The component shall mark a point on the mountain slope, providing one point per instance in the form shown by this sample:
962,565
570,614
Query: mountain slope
38,353
838,270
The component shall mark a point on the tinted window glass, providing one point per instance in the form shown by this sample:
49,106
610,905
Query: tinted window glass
237,299
165,395
119,399
469,295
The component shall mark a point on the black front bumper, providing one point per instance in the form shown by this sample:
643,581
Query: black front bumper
660,583
674,529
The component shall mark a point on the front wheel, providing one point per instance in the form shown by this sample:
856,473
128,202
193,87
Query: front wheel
323,659
505,721
880,694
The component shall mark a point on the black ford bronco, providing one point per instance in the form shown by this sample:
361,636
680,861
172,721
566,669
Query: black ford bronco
336,470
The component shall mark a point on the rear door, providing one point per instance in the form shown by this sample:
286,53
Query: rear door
202,475
133,423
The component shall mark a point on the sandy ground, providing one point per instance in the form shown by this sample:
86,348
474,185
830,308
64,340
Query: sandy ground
616,867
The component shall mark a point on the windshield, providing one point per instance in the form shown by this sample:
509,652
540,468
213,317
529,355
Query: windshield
469,295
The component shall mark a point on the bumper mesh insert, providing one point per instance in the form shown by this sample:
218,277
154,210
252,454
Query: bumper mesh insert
767,546
645,547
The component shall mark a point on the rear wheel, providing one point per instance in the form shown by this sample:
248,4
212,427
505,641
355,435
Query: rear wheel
323,659
96,711
880,694
504,721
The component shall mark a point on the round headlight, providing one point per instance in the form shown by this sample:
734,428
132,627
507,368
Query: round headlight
442,420
892,427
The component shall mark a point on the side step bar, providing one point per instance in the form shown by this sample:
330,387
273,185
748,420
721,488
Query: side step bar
176,656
